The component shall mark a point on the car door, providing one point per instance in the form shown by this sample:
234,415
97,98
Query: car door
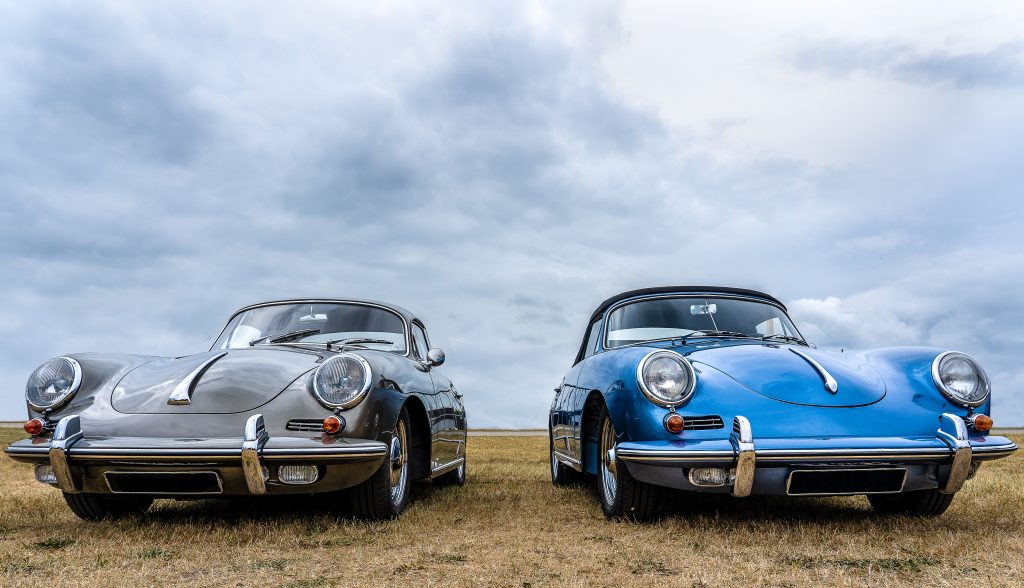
447,416
569,399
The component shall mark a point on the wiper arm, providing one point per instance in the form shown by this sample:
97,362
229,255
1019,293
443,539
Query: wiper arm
715,334
284,336
789,338
357,341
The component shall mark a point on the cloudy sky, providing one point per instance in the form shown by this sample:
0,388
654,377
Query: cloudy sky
500,168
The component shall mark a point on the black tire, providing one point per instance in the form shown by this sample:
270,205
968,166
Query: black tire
378,498
561,474
96,507
456,477
922,503
621,495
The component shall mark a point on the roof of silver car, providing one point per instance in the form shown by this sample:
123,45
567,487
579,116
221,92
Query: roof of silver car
681,290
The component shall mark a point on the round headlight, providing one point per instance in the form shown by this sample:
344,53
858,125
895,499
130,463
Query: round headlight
342,381
960,379
53,383
666,378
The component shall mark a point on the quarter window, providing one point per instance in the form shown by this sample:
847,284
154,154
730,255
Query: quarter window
419,337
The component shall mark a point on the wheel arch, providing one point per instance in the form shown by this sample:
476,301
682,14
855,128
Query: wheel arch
590,430
420,438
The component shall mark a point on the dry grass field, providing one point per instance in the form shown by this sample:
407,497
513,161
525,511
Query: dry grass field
509,527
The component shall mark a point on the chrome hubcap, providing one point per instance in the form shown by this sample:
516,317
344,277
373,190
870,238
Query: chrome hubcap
609,478
399,464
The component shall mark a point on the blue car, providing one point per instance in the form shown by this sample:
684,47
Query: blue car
713,389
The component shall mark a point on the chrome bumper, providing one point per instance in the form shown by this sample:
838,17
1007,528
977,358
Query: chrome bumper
69,446
951,445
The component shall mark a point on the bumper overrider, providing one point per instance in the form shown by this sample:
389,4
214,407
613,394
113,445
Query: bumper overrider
816,465
246,465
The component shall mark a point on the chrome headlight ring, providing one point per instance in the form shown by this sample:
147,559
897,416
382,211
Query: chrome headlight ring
648,379
46,377
943,374
342,381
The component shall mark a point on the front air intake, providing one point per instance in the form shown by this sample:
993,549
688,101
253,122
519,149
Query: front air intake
316,425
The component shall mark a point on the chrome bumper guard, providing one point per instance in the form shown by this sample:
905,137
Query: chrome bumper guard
253,452
952,432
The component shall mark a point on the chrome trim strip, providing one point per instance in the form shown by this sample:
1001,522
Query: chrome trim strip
447,467
953,430
742,439
220,483
326,453
256,437
789,480
67,432
830,383
182,393
1006,447
687,456
567,460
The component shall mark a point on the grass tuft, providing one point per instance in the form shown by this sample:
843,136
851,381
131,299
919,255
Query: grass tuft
53,543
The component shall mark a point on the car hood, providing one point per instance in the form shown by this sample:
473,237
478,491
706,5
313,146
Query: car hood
780,372
237,380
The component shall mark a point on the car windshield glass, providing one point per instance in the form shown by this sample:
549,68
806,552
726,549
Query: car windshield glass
665,318
316,323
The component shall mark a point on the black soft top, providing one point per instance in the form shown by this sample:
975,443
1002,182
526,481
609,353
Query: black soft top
682,290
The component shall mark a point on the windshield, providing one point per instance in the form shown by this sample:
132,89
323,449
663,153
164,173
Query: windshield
316,323
666,318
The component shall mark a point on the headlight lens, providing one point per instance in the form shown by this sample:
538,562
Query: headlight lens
53,383
342,381
960,379
666,378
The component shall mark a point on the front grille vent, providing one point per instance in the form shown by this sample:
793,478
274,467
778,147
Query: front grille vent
702,423
305,425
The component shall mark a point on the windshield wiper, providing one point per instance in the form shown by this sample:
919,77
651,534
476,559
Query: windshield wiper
357,341
715,334
789,338
284,336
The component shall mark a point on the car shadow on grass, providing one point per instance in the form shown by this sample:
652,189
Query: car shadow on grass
233,510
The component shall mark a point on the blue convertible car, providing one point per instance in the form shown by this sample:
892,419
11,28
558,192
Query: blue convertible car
712,389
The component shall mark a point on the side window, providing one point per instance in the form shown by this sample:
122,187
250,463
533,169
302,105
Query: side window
419,336
590,345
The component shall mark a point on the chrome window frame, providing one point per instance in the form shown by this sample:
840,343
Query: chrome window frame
405,323
617,305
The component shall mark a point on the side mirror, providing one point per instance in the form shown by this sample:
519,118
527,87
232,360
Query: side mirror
435,357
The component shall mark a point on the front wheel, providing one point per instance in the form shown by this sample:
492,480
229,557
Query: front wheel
622,496
96,507
921,503
386,493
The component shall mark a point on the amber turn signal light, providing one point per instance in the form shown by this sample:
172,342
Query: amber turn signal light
673,423
981,423
333,424
34,427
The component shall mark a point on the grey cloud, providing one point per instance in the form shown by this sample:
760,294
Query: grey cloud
487,176
999,67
